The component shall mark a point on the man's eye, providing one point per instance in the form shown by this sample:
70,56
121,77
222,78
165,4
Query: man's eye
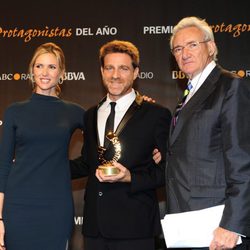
108,68
192,45
124,68
178,49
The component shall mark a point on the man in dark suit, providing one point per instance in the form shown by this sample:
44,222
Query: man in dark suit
208,160
121,211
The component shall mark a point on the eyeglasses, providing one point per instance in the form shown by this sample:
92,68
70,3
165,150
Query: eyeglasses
191,46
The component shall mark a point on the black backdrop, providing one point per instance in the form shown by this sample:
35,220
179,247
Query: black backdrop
81,27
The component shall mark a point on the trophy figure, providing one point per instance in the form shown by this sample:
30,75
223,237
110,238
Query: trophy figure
107,165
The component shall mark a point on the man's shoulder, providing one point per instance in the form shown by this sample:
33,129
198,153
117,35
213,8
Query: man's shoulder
90,112
230,80
91,109
155,107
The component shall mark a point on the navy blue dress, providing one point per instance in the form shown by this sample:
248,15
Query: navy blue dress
34,172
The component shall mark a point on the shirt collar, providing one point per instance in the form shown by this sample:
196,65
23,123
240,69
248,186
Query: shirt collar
201,77
122,102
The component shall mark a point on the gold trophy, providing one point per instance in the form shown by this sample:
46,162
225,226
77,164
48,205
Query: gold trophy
107,166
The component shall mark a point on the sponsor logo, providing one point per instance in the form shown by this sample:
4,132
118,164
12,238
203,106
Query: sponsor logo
76,76
28,34
78,220
155,30
101,31
69,76
241,73
15,76
178,74
146,75
234,29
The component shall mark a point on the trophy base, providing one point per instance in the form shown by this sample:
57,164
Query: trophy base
109,170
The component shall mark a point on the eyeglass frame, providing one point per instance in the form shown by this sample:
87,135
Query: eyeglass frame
188,46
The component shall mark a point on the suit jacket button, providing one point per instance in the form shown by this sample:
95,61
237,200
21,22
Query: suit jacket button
100,193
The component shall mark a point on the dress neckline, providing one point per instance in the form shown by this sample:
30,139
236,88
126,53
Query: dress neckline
39,97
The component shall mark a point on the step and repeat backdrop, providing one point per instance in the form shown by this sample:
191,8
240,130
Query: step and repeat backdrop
81,27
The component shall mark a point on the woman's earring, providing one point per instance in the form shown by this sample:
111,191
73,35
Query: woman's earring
60,80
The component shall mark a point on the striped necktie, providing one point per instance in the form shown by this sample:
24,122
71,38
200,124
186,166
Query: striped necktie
181,104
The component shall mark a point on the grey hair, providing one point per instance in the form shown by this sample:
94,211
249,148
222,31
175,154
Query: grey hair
200,24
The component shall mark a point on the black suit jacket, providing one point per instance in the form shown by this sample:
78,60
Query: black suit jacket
209,152
125,210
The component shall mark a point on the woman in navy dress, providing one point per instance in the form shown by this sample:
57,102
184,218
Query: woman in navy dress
36,204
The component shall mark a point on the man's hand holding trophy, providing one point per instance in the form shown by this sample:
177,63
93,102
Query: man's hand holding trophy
110,170
107,166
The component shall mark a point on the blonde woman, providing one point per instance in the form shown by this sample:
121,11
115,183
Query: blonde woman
36,205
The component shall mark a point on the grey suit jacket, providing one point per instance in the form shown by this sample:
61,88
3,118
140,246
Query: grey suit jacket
208,161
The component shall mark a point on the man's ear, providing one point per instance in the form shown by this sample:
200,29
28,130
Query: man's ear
136,72
211,48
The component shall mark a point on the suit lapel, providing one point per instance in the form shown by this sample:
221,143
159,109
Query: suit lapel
130,112
197,99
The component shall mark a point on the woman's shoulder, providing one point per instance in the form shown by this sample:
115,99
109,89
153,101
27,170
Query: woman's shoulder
71,103
73,106
17,105
15,108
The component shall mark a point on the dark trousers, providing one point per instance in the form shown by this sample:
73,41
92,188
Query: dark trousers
100,243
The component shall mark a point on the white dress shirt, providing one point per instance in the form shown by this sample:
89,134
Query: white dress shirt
121,108
198,80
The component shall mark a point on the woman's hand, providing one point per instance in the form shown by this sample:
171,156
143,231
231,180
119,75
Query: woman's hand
2,232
